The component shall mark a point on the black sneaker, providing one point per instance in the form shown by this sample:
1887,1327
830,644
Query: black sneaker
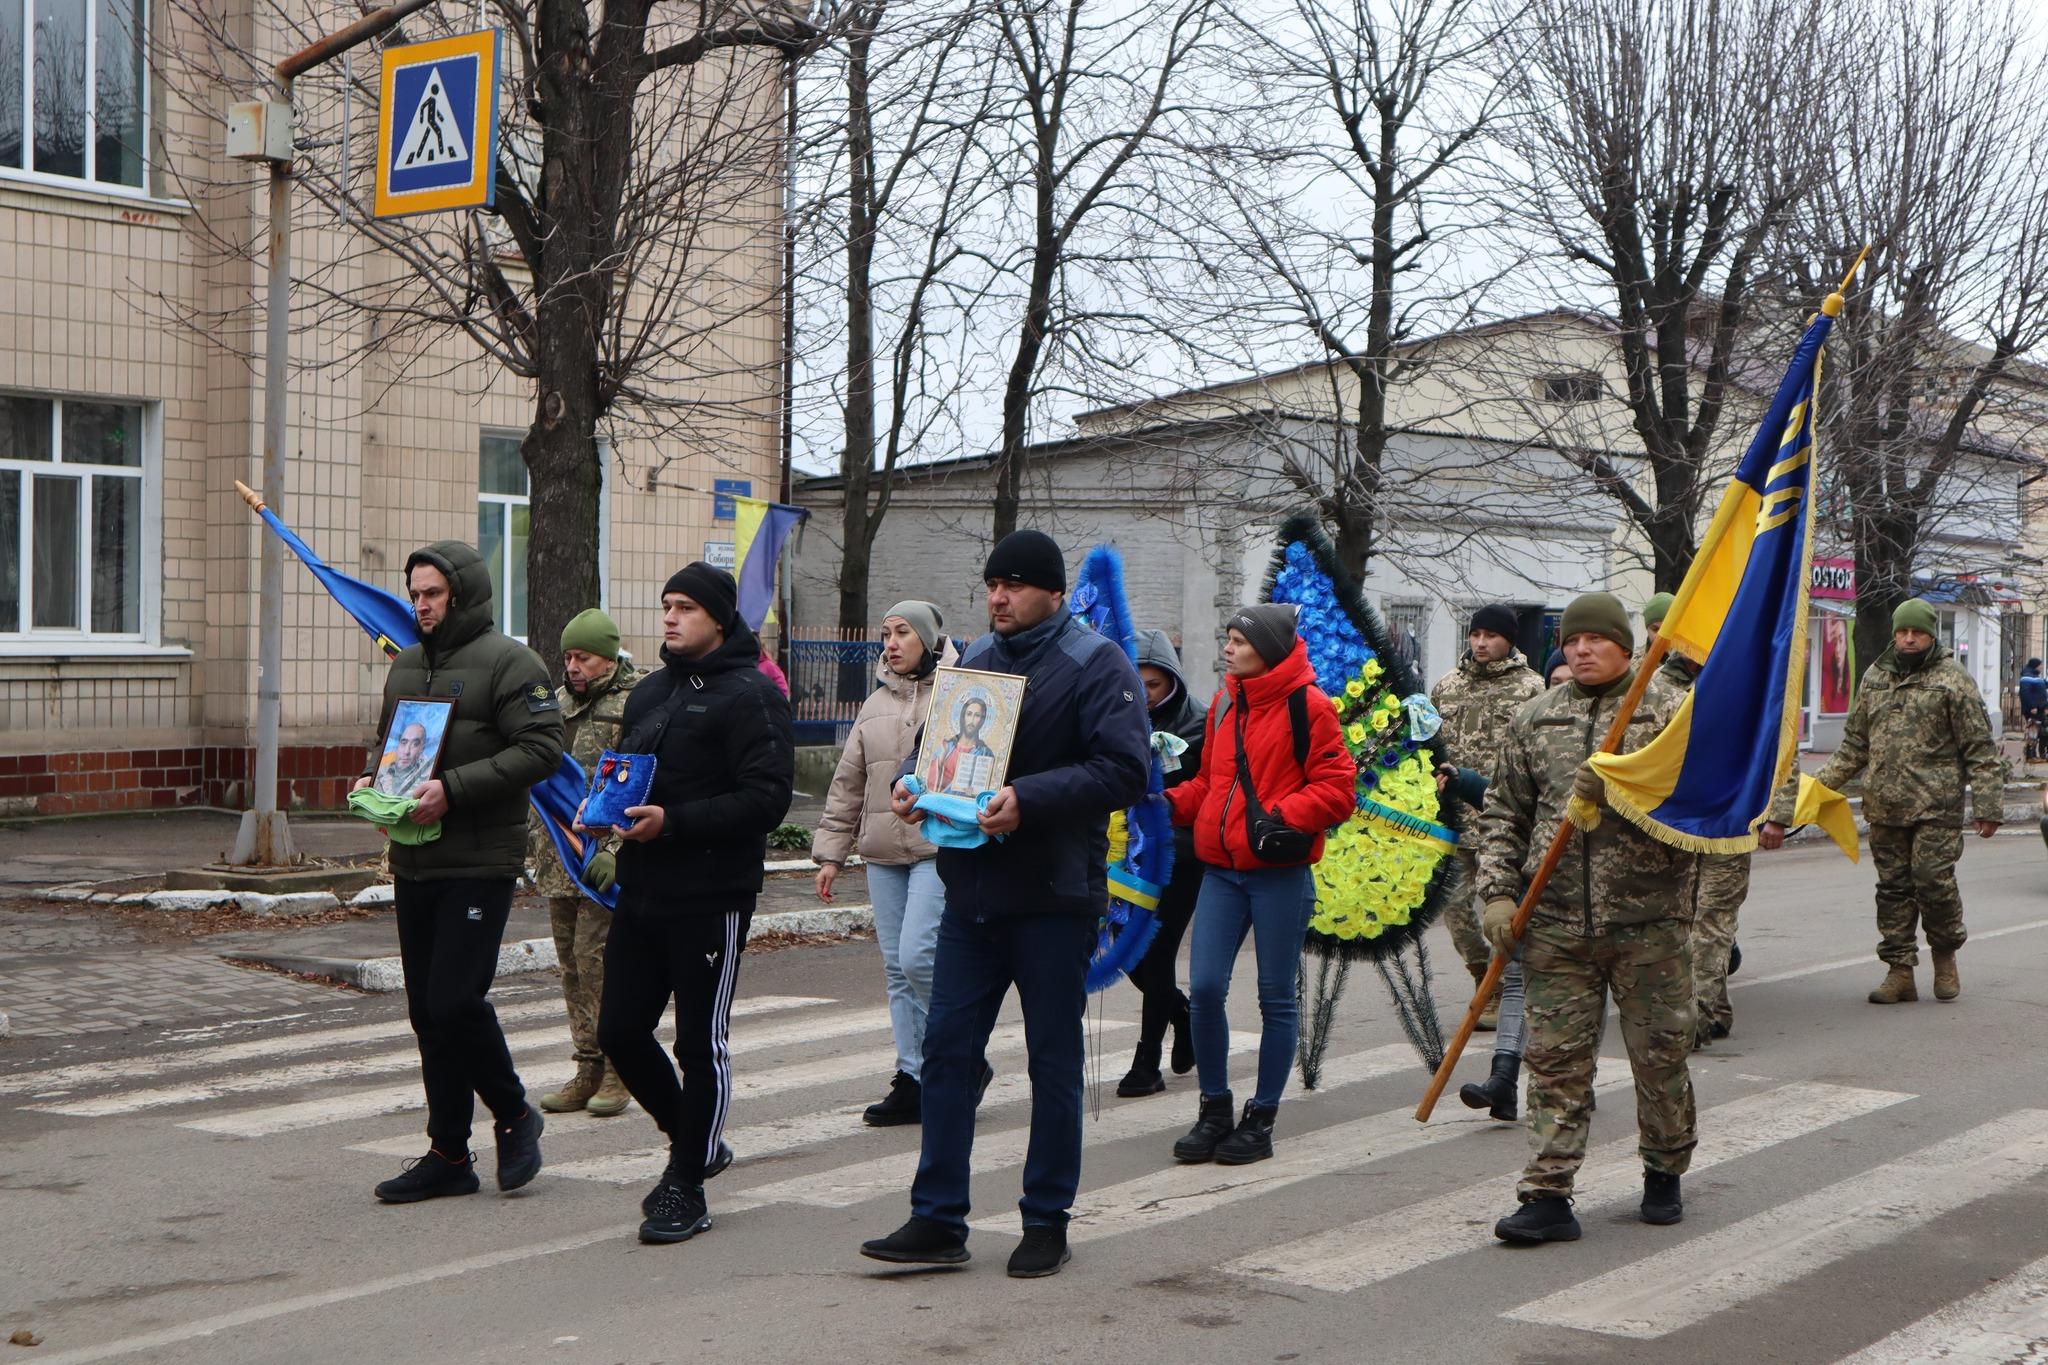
677,1216
903,1104
669,1177
1547,1218
1042,1252
519,1149
921,1241
430,1177
1662,1205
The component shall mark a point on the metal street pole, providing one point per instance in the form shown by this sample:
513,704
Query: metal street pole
265,838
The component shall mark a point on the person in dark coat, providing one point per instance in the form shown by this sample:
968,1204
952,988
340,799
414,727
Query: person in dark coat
1173,709
689,870
1022,908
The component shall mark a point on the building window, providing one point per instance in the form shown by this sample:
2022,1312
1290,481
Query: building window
1582,387
503,520
77,103
71,519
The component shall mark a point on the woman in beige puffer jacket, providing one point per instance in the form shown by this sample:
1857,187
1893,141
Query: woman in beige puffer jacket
903,881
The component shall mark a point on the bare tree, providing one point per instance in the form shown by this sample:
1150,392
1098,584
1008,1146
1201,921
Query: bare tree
635,231
899,174
1659,146
1346,218
1942,169
1085,102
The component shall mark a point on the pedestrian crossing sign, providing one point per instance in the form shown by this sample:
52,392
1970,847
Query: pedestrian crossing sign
437,125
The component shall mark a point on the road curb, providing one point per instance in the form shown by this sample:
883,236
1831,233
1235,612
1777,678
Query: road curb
384,974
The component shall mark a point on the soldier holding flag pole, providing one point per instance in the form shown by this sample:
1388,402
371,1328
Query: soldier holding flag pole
1741,615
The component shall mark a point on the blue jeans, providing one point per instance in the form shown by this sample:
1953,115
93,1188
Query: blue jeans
1273,904
1046,958
908,901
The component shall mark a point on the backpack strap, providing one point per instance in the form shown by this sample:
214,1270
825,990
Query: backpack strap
1297,720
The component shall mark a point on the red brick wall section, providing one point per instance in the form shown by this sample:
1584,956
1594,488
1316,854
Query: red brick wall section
310,777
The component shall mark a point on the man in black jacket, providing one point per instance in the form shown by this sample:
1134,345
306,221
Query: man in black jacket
688,873
453,894
1023,909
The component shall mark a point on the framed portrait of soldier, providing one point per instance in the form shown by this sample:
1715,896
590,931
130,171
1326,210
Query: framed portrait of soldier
412,744
969,730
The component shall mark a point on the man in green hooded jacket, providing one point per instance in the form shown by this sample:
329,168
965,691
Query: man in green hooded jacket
1916,730
454,893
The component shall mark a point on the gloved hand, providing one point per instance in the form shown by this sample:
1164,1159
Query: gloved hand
602,873
1587,786
1497,924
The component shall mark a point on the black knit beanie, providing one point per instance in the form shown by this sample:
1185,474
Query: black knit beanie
1498,618
1030,557
710,588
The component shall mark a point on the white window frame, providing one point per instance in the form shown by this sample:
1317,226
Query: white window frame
510,500
26,172
31,641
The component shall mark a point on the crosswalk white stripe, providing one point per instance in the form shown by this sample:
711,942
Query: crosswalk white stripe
1178,1192
1673,1289
54,1080
2003,1323
806,1030
1739,981
394,1099
846,1186
1373,1249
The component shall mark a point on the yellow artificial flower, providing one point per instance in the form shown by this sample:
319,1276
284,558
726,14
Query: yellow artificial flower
1356,734
1354,688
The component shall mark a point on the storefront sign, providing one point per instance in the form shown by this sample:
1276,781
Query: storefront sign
1834,579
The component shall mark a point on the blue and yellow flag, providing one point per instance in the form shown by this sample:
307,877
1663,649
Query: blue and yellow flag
760,529
1706,782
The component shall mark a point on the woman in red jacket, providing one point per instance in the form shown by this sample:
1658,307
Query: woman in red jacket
1258,846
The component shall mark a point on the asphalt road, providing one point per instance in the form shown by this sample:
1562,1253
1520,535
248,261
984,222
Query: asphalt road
1869,1180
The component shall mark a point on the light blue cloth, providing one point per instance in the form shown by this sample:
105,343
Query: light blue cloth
908,902
950,820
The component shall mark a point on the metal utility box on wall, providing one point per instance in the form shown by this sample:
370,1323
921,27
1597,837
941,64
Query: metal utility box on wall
260,130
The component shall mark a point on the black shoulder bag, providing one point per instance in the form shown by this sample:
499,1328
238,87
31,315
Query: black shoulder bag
1273,840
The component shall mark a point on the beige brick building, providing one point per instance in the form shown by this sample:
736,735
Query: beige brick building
128,565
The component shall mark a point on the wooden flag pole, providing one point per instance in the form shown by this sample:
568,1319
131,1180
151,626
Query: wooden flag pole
1489,983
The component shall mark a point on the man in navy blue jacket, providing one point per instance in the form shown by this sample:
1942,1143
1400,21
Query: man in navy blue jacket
1022,910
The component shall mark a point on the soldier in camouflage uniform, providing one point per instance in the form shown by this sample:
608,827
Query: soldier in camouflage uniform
596,683
1614,919
1918,727
1476,699
1723,881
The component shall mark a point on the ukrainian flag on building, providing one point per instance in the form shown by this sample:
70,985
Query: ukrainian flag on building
1705,783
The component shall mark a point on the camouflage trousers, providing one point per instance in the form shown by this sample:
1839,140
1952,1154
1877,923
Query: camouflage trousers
1723,886
1648,970
1916,888
580,929
1461,912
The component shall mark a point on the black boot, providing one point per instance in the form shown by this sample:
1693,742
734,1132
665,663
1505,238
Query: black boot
1143,1078
1547,1218
1661,1202
1496,1094
1183,1059
903,1104
430,1177
921,1241
1211,1127
1252,1139
519,1150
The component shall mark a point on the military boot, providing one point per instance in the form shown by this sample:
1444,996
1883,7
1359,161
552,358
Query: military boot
1947,985
576,1094
1546,1218
1896,988
611,1097
1663,1204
